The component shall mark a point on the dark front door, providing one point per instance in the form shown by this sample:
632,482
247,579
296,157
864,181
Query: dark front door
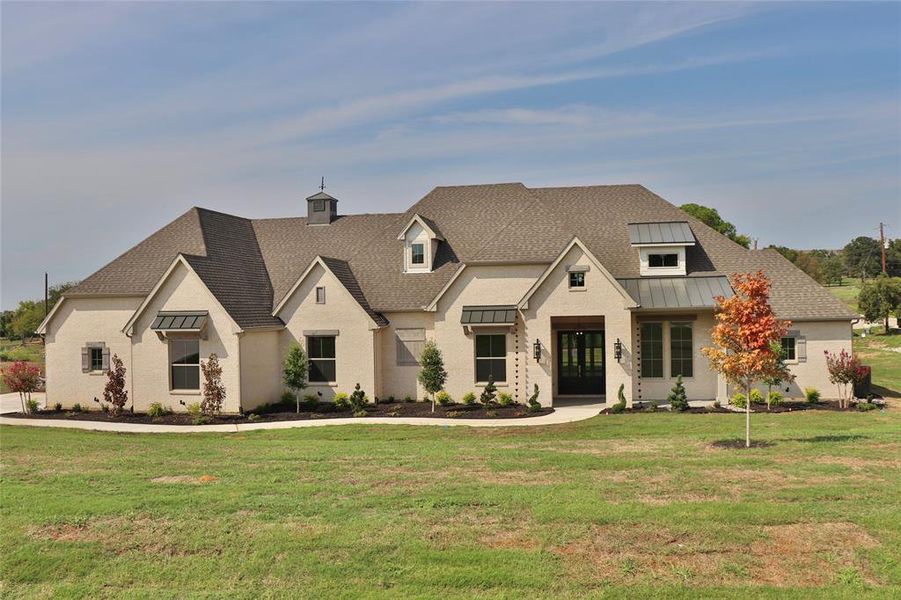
580,362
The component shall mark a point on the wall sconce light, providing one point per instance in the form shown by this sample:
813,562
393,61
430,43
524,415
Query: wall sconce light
617,350
536,350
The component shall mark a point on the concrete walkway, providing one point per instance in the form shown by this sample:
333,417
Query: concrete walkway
563,414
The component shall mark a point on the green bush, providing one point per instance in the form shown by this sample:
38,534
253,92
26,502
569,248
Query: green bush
716,404
391,400
288,399
194,409
104,408
77,407
756,396
253,417
310,401
739,400
342,401
358,400
533,404
409,399
620,405
489,392
443,398
200,420
58,407
775,398
32,405
677,398
157,410
651,407
812,395
505,399
360,413
866,406
469,398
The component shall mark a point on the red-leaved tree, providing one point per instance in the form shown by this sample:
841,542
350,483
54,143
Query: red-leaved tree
213,389
23,378
114,392
845,370
746,338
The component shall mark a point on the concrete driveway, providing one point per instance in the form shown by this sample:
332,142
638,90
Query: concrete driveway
11,402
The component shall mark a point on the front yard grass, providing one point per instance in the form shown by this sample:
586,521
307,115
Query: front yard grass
847,292
620,505
883,353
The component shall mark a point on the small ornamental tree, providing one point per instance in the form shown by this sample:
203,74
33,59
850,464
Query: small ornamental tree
746,337
213,389
295,371
678,399
844,370
358,400
114,392
532,402
432,375
488,392
880,298
23,378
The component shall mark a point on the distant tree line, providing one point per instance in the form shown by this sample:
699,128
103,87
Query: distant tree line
21,323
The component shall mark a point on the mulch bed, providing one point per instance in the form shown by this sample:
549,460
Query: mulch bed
322,411
785,407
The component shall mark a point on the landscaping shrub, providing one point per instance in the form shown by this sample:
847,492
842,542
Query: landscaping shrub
532,403
114,392
756,396
391,400
717,404
310,401
866,406
774,398
360,413
812,395
505,399
342,401
489,392
194,409
620,405
651,407
677,398
253,417
288,398
104,408
443,398
739,400
58,406
22,378
32,405
358,400
469,398
213,388
157,410
77,408
409,399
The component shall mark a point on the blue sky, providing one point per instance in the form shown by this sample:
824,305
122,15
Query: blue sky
118,117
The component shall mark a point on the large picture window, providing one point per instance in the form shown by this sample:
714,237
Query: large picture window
491,357
652,350
322,358
680,350
185,367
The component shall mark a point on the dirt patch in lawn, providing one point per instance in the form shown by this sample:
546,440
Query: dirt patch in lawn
324,410
797,555
189,479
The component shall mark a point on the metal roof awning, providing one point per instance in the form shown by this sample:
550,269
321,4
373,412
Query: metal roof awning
671,232
489,315
180,320
677,292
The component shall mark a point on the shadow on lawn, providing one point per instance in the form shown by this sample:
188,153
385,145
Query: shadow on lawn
739,444
829,438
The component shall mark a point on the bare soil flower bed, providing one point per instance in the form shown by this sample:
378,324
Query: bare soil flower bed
324,410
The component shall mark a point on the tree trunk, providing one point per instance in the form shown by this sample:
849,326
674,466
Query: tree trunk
297,399
748,417
886,323
22,400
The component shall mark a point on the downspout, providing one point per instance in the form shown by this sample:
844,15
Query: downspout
131,365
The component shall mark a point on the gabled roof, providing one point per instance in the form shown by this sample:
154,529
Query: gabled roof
427,224
250,265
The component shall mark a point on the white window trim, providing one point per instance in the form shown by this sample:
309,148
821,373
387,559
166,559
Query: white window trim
646,269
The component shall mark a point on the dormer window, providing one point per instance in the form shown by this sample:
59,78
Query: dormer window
661,246
417,254
421,238
318,205
663,260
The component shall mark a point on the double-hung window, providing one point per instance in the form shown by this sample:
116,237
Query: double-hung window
789,349
322,358
417,254
491,357
96,358
680,350
185,364
652,350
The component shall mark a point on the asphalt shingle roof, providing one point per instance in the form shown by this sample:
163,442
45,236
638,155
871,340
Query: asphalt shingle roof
251,264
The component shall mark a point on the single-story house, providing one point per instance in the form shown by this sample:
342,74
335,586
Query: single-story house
577,289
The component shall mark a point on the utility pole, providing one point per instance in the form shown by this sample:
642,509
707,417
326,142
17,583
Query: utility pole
882,245
46,303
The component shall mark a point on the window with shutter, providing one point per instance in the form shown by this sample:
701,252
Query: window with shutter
410,343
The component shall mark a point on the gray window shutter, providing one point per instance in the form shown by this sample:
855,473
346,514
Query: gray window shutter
801,348
85,360
105,366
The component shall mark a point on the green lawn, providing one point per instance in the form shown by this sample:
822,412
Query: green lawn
847,292
883,353
13,350
619,506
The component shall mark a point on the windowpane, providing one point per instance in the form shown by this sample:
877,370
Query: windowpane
789,351
491,367
652,350
185,370
96,359
320,295
491,357
318,205
663,260
322,370
321,347
322,358
681,350
418,254
577,280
